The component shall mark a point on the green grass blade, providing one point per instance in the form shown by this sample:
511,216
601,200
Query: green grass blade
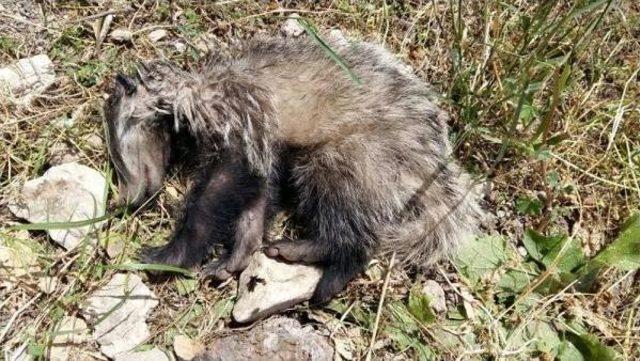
311,31
63,225
152,267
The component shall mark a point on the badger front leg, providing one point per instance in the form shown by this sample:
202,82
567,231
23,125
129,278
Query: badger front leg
249,231
215,206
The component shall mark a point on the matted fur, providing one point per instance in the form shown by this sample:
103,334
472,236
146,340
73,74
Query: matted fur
369,164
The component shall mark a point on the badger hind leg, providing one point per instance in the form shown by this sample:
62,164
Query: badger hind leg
336,211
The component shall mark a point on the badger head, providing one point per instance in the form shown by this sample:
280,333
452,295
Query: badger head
138,120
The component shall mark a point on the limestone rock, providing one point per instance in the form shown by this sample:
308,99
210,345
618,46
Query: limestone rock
276,339
26,78
267,286
435,293
65,193
118,312
338,37
95,141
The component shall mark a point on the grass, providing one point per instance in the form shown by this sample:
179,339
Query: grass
543,102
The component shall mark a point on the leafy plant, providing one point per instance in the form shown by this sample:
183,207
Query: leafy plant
624,252
530,206
418,306
554,262
481,257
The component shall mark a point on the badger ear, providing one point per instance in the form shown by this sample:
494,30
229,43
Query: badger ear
127,83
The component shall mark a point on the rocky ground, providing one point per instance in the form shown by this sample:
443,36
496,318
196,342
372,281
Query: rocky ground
544,112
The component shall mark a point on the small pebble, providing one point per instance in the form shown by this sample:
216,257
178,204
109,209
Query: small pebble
186,349
122,35
291,27
157,35
434,291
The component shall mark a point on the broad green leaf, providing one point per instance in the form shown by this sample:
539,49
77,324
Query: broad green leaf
624,252
401,317
525,205
185,286
553,178
527,113
515,280
536,336
403,328
481,256
568,352
546,250
529,303
419,307
221,309
404,341
547,338
591,348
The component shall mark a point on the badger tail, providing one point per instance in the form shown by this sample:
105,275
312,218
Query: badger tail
445,214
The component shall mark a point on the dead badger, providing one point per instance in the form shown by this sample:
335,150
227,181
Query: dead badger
366,164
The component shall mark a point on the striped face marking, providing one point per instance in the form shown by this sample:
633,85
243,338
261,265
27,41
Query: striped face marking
138,140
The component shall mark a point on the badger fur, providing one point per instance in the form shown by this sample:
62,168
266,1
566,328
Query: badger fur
364,167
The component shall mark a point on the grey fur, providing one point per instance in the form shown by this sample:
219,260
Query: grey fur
378,152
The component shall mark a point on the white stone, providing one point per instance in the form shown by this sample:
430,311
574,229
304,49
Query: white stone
95,141
121,35
267,286
26,78
185,348
180,46
68,339
157,35
522,251
155,354
291,27
65,193
435,293
118,313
